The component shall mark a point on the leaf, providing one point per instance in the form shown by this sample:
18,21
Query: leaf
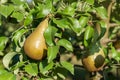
52,53
69,10
6,10
101,11
31,69
45,67
49,35
44,9
28,20
75,25
68,66
7,58
83,21
88,33
3,42
62,23
7,76
17,35
18,2
91,2
18,15
103,26
66,44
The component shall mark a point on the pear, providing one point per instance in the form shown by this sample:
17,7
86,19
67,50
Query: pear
35,45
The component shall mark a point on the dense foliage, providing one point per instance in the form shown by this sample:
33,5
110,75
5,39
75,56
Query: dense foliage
76,27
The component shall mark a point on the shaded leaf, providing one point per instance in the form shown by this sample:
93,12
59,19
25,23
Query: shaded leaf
52,53
31,69
66,44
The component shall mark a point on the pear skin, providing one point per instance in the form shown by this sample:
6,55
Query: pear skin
35,45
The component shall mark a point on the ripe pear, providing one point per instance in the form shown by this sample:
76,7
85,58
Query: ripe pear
35,45
94,62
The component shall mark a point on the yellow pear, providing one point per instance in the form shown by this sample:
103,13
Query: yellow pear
35,45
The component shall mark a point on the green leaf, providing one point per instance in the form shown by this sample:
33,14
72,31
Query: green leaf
101,11
88,33
45,67
44,9
69,10
103,26
62,23
83,21
18,2
28,20
31,69
7,76
68,66
49,35
91,2
75,25
17,35
3,42
7,58
66,44
6,10
52,53
18,15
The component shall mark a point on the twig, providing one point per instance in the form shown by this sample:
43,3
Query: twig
105,38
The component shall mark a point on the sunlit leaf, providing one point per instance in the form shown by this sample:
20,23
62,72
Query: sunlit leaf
90,1
7,58
44,9
66,44
49,35
52,53
7,76
19,16
6,10
17,35
75,25
88,33
68,66
101,11
62,23
31,69
3,42
83,21
18,2
28,20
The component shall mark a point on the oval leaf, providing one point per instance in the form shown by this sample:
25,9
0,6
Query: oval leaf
49,35
52,53
66,44
31,69
88,33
